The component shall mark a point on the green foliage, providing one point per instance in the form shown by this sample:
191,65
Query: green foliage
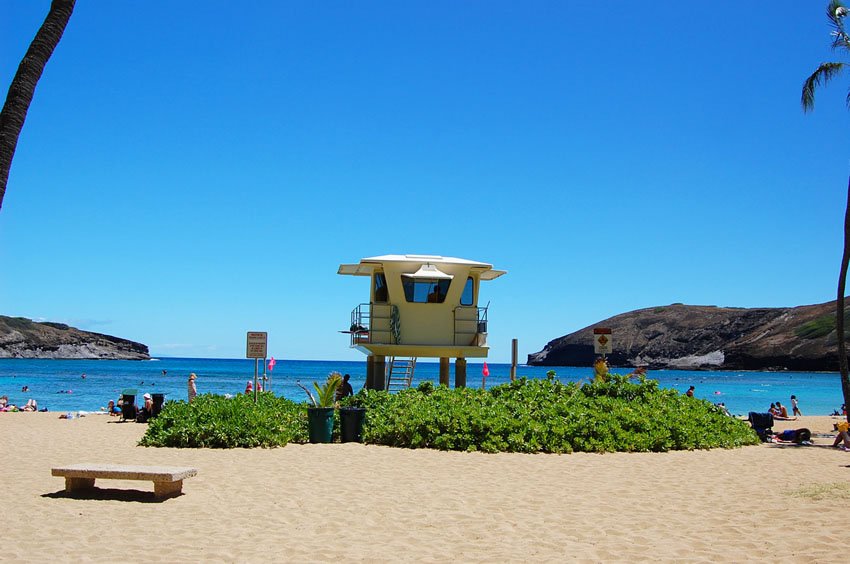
820,327
523,416
212,421
326,393
549,416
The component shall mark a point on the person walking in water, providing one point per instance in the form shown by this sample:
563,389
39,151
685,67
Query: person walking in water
794,408
193,390
690,392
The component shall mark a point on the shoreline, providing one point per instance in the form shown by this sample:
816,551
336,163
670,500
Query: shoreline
364,502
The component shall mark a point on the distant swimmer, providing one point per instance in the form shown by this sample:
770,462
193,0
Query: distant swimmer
164,372
83,376
25,389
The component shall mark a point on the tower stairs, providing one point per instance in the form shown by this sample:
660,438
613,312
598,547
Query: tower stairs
400,373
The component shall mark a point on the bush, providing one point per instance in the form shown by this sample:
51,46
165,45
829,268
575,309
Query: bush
212,421
523,416
549,416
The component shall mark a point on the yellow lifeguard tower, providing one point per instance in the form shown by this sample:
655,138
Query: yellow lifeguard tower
419,306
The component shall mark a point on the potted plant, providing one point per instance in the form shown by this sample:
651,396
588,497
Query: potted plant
320,415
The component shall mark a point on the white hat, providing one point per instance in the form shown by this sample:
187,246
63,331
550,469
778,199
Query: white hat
147,396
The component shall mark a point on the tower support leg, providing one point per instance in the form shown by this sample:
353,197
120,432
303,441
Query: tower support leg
460,373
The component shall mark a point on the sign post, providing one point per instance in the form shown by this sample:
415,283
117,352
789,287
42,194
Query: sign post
602,341
256,347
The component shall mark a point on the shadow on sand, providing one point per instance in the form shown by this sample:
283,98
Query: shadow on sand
109,494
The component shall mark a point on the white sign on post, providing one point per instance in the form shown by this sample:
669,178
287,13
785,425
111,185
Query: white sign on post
602,342
257,344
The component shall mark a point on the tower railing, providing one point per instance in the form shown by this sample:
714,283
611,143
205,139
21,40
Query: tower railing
470,325
374,323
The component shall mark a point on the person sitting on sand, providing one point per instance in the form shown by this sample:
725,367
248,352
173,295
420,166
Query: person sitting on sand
783,413
843,428
772,410
5,405
113,409
146,411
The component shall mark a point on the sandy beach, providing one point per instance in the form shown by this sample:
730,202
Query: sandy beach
370,503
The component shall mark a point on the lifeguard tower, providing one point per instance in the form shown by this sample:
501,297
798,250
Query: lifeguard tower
419,306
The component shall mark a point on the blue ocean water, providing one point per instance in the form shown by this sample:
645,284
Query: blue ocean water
58,385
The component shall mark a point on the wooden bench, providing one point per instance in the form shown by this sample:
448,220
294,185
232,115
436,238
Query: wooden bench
167,480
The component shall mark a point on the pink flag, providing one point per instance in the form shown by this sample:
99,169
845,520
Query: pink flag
485,371
271,364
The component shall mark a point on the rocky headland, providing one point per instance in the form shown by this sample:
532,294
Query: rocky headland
690,337
24,338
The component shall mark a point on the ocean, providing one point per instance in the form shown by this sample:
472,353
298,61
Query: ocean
59,385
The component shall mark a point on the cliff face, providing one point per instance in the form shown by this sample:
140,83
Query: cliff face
707,337
22,338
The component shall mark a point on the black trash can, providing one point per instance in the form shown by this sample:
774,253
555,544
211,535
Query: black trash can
158,400
351,424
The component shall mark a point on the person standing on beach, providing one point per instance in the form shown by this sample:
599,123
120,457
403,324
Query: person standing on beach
794,408
193,390
345,388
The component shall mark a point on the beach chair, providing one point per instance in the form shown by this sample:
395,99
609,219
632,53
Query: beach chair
128,407
158,400
762,424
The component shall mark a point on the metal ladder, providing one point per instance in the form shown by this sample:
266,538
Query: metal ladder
400,373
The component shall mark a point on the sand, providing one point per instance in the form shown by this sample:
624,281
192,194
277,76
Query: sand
371,503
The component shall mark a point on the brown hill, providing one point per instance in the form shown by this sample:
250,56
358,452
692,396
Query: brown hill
23,338
707,337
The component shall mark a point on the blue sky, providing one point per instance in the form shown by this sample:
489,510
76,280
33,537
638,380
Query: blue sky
188,174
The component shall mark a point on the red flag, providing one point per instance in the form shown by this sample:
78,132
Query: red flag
271,364
485,371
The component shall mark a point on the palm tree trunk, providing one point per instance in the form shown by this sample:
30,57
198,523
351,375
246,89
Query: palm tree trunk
23,85
839,319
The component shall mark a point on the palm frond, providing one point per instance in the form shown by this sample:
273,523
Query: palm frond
824,73
836,12
310,395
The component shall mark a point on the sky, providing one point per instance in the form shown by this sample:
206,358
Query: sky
189,172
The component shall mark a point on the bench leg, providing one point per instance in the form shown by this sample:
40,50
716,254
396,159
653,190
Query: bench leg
167,489
76,484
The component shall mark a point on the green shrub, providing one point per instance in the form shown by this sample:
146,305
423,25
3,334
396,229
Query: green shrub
549,416
212,421
523,416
